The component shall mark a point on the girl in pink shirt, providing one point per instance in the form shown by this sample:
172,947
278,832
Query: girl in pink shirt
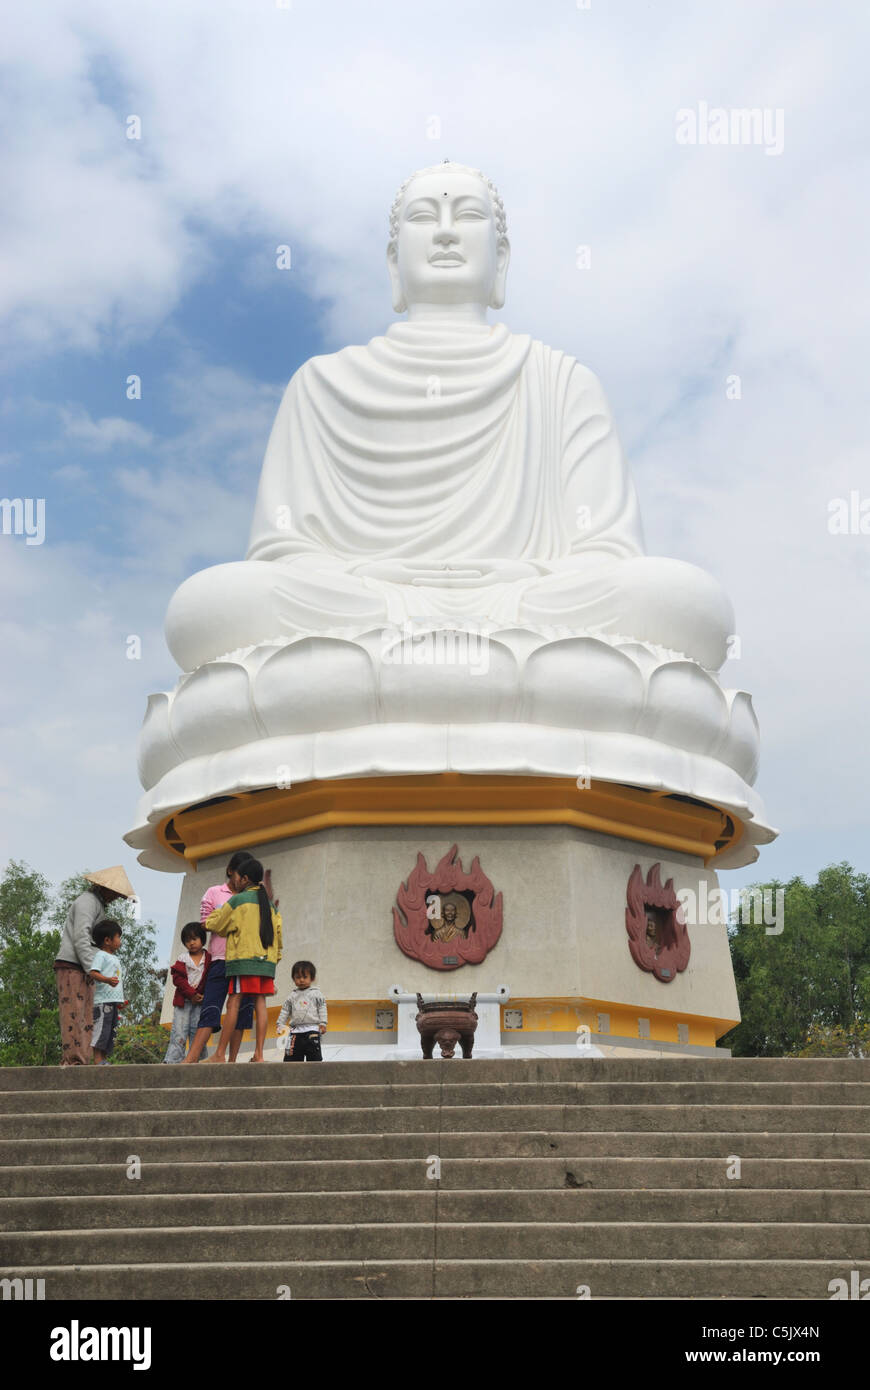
216,984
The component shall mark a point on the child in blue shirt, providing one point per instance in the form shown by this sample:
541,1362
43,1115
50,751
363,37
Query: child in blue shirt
108,991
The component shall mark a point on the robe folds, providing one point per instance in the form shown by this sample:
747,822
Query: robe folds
445,444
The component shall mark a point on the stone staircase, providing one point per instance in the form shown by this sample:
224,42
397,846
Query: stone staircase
557,1176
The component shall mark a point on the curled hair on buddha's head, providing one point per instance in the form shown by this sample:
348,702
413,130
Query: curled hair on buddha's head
494,197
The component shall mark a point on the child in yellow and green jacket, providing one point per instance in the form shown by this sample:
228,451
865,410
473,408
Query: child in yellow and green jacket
252,928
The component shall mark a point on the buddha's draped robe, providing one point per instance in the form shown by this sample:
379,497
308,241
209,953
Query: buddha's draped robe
461,445
447,445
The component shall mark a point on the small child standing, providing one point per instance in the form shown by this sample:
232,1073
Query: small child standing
108,991
304,1013
188,975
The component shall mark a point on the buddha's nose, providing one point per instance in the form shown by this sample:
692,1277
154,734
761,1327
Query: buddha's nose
445,232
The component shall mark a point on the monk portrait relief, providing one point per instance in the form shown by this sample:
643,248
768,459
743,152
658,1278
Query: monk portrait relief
450,916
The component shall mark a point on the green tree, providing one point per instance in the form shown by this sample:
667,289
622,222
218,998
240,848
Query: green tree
144,1041
29,1025
837,1041
25,897
815,974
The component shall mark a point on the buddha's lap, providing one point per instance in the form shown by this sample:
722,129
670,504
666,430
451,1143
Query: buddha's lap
668,602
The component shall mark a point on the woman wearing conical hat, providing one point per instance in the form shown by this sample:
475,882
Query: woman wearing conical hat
75,988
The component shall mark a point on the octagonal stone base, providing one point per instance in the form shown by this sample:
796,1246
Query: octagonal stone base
563,952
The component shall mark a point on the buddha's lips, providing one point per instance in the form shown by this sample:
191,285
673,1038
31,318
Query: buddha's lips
447,258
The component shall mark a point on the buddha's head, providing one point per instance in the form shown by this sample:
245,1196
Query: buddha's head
448,244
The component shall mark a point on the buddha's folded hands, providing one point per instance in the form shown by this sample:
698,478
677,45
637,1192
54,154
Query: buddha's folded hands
449,573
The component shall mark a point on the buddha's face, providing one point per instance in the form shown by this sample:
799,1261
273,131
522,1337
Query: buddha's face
448,251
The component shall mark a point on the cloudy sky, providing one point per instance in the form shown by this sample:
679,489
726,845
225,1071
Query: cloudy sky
267,124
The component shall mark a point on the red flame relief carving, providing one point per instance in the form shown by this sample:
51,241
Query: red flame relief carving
413,927
660,945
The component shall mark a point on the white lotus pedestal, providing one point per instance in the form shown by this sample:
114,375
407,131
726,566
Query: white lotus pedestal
563,762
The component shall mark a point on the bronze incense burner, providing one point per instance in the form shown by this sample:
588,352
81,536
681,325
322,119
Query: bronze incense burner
447,1022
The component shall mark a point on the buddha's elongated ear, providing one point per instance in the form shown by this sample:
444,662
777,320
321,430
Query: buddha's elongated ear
503,256
399,303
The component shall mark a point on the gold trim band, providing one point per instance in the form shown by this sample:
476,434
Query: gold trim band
448,798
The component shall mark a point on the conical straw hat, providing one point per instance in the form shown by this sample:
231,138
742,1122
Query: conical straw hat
114,879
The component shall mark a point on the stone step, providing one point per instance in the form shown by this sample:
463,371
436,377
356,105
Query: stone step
817,1119
734,1203
554,1173
578,1093
338,1175
645,1069
449,1279
621,1240
152,1148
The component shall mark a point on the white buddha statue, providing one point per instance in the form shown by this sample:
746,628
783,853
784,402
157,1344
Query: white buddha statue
451,470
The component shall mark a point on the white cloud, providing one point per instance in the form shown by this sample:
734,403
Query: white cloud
97,436
77,700
71,473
